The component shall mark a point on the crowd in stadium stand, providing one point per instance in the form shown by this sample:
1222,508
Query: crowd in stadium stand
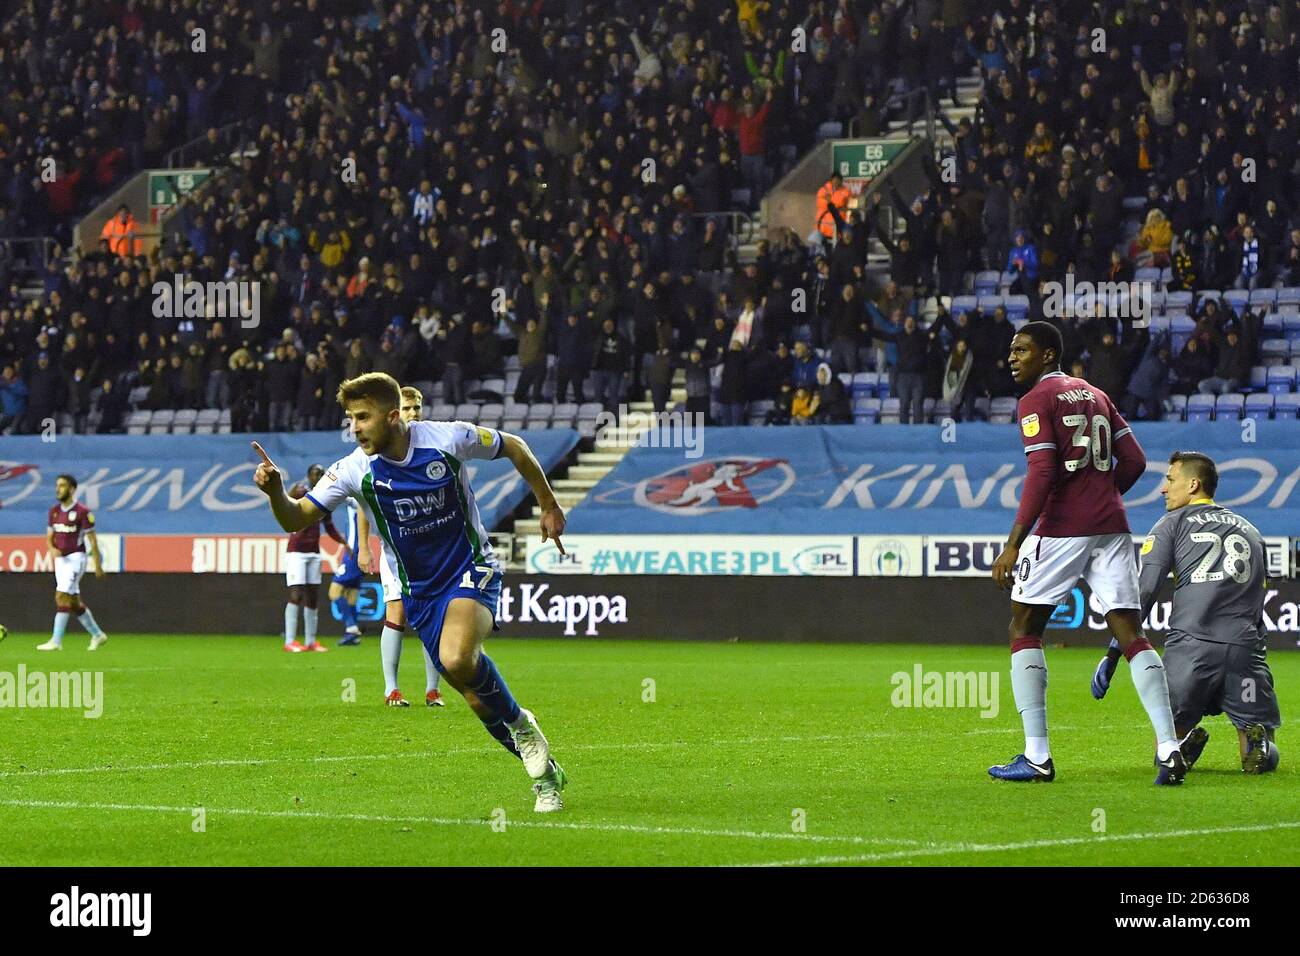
548,211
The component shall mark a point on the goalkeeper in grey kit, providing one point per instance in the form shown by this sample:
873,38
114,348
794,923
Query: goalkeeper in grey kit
1215,652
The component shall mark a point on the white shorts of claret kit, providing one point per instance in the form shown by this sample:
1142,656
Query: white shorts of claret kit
301,568
1048,569
68,569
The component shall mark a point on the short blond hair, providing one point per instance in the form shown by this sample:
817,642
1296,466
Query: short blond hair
411,393
378,387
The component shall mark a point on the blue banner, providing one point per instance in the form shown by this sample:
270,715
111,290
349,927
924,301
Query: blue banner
919,479
188,484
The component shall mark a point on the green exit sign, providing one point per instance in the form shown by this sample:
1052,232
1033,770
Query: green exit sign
864,159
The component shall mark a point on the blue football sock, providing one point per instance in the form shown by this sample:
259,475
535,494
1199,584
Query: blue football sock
501,733
346,612
491,688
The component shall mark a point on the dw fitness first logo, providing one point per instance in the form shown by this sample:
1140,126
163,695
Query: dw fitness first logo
712,485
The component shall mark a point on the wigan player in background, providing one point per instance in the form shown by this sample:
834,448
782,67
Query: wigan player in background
302,572
71,527
1071,432
1215,651
390,638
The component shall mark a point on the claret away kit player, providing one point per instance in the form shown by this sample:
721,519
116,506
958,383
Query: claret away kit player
1215,651
1082,458
302,572
411,479
71,528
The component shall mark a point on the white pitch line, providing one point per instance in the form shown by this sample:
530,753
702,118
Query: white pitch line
953,848
457,821
429,754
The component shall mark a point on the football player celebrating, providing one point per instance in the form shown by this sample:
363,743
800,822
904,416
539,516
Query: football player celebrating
1082,458
412,479
390,638
71,528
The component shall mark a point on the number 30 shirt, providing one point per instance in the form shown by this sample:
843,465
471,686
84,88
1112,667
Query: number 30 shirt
422,507
1071,431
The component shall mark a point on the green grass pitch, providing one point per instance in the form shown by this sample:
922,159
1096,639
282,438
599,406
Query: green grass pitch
747,754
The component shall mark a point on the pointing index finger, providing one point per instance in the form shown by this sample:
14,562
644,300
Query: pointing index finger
258,448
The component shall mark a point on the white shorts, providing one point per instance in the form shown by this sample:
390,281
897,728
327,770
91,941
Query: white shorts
68,569
301,568
388,577
1049,568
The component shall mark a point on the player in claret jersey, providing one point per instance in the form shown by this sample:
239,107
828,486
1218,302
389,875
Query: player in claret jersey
71,526
412,480
1082,458
302,573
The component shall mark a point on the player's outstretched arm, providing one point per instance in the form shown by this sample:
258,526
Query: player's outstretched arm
293,514
526,463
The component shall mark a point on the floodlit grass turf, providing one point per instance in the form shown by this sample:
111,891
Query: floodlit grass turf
738,739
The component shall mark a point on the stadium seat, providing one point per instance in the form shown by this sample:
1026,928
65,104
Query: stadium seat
1147,274
512,425
1263,300
940,410
1286,405
864,384
831,129
1166,277
541,410
1177,405
138,395
1160,323
494,384
1205,295
847,379
586,428
514,409
987,283
1259,405
987,303
512,363
1003,406
137,423
1274,352
1236,299
492,410
890,411
962,304
982,403
442,413
1178,301
1200,408
1291,327
466,412
184,421
590,410
1180,330
1288,299
1158,297
1258,378
1229,406
564,415
161,421
882,385
1281,379
1274,326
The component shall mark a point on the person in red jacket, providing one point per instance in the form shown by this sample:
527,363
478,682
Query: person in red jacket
751,129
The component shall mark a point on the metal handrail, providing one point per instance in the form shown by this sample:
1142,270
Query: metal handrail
46,244
176,157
